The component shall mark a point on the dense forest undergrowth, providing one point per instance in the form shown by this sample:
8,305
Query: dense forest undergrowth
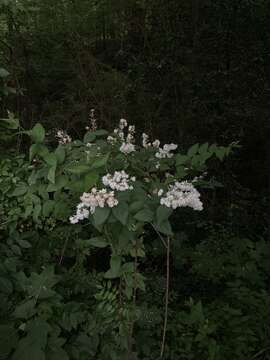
115,245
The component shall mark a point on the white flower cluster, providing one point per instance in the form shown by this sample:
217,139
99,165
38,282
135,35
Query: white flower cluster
182,194
165,152
127,145
63,137
127,148
146,143
93,121
118,181
90,201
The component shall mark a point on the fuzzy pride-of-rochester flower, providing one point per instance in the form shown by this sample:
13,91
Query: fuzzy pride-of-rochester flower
63,137
101,198
90,201
181,194
118,181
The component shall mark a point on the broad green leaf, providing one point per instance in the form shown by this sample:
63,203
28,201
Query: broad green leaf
50,159
60,154
164,228
60,182
38,149
89,137
100,132
6,286
4,73
121,212
203,148
26,310
51,174
145,215
193,150
48,207
101,215
181,159
115,267
98,242
37,134
136,206
8,340
78,169
20,190
36,212
24,244
10,123
33,345
90,180
163,213
220,152
100,162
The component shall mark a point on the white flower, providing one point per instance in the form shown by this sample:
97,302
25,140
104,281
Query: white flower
182,194
90,201
63,137
160,192
131,129
165,152
145,141
127,148
118,181
111,140
122,124
156,144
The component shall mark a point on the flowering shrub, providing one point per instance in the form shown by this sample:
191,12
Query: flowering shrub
111,190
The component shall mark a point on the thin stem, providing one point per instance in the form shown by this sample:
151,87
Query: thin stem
166,300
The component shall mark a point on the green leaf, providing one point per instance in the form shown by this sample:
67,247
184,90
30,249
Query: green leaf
101,132
220,152
4,73
121,212
38,149
98,242
77,169
181,159
25,310
60,154
145,215
11,123
33,345
203,148
165,228
6,286
100,162
24,244
89,137
136,206
36,212
8,340
37,134
193,150
115,268
50,159
60,182
47,208
20,190
51,174
163,213
101,215
90,180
